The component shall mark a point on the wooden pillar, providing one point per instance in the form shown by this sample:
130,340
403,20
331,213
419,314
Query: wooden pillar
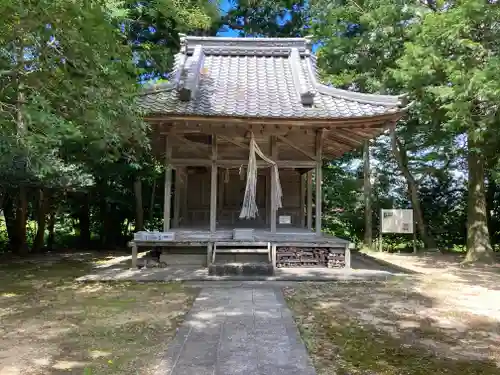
319,178
220,191
134,255
309,200
268,196
274,154
184,200
348,257
302,200
210,247
168,185
213,187
273,255
177,197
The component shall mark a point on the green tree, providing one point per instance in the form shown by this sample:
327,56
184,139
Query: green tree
454,63
269,18
66,95
361,42
153,28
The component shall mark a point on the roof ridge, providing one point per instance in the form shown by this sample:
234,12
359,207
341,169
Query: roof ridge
199,39
155,88
305,92
229,43
189,77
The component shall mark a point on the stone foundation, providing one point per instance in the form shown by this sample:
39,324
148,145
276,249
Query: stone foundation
180,256
241,269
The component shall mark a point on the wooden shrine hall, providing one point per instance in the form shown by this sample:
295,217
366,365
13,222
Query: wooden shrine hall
244,126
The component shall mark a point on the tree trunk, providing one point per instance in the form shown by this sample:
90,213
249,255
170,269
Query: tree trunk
84,222
105,227
10,219
20,246
478,239
402,160
367,191
43,207
51,229
490,202
139,209
18,240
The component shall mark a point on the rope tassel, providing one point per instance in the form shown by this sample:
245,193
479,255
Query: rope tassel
249,209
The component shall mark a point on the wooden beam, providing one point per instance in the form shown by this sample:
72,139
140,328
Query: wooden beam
168,185
364,135
190,144
349,133
274,156
319,178
309,200
292,164
236,143
295,147
213,187
343,139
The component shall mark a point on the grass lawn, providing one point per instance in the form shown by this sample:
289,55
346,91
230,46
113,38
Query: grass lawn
51,325
391,328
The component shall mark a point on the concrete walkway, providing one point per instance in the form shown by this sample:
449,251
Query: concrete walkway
236,331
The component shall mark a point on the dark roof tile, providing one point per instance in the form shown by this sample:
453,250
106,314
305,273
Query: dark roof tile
265,77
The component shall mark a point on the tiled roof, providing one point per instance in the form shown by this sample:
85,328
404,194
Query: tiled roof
264,77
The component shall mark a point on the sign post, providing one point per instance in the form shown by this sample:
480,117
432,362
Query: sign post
397,221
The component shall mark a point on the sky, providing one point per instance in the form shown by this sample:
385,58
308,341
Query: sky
225,6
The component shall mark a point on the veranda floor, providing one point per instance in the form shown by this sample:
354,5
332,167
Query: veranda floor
283,234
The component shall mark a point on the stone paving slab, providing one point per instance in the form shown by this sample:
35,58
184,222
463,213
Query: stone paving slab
238,331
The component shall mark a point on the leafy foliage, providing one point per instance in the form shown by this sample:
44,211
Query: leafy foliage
444,57
270,18
65,89
72,143
153,27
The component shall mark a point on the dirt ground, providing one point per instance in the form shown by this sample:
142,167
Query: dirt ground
444,321
52,325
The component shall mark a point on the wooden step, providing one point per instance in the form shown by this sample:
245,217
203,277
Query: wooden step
241,244
236,251
241,247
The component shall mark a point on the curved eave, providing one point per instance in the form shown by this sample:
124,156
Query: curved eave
372,99
397,101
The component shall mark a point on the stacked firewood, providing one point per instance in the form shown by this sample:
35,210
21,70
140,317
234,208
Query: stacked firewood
336,260
309,257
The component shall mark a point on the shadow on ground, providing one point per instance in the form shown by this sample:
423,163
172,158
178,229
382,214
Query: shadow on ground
53,326
484,275
391,328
